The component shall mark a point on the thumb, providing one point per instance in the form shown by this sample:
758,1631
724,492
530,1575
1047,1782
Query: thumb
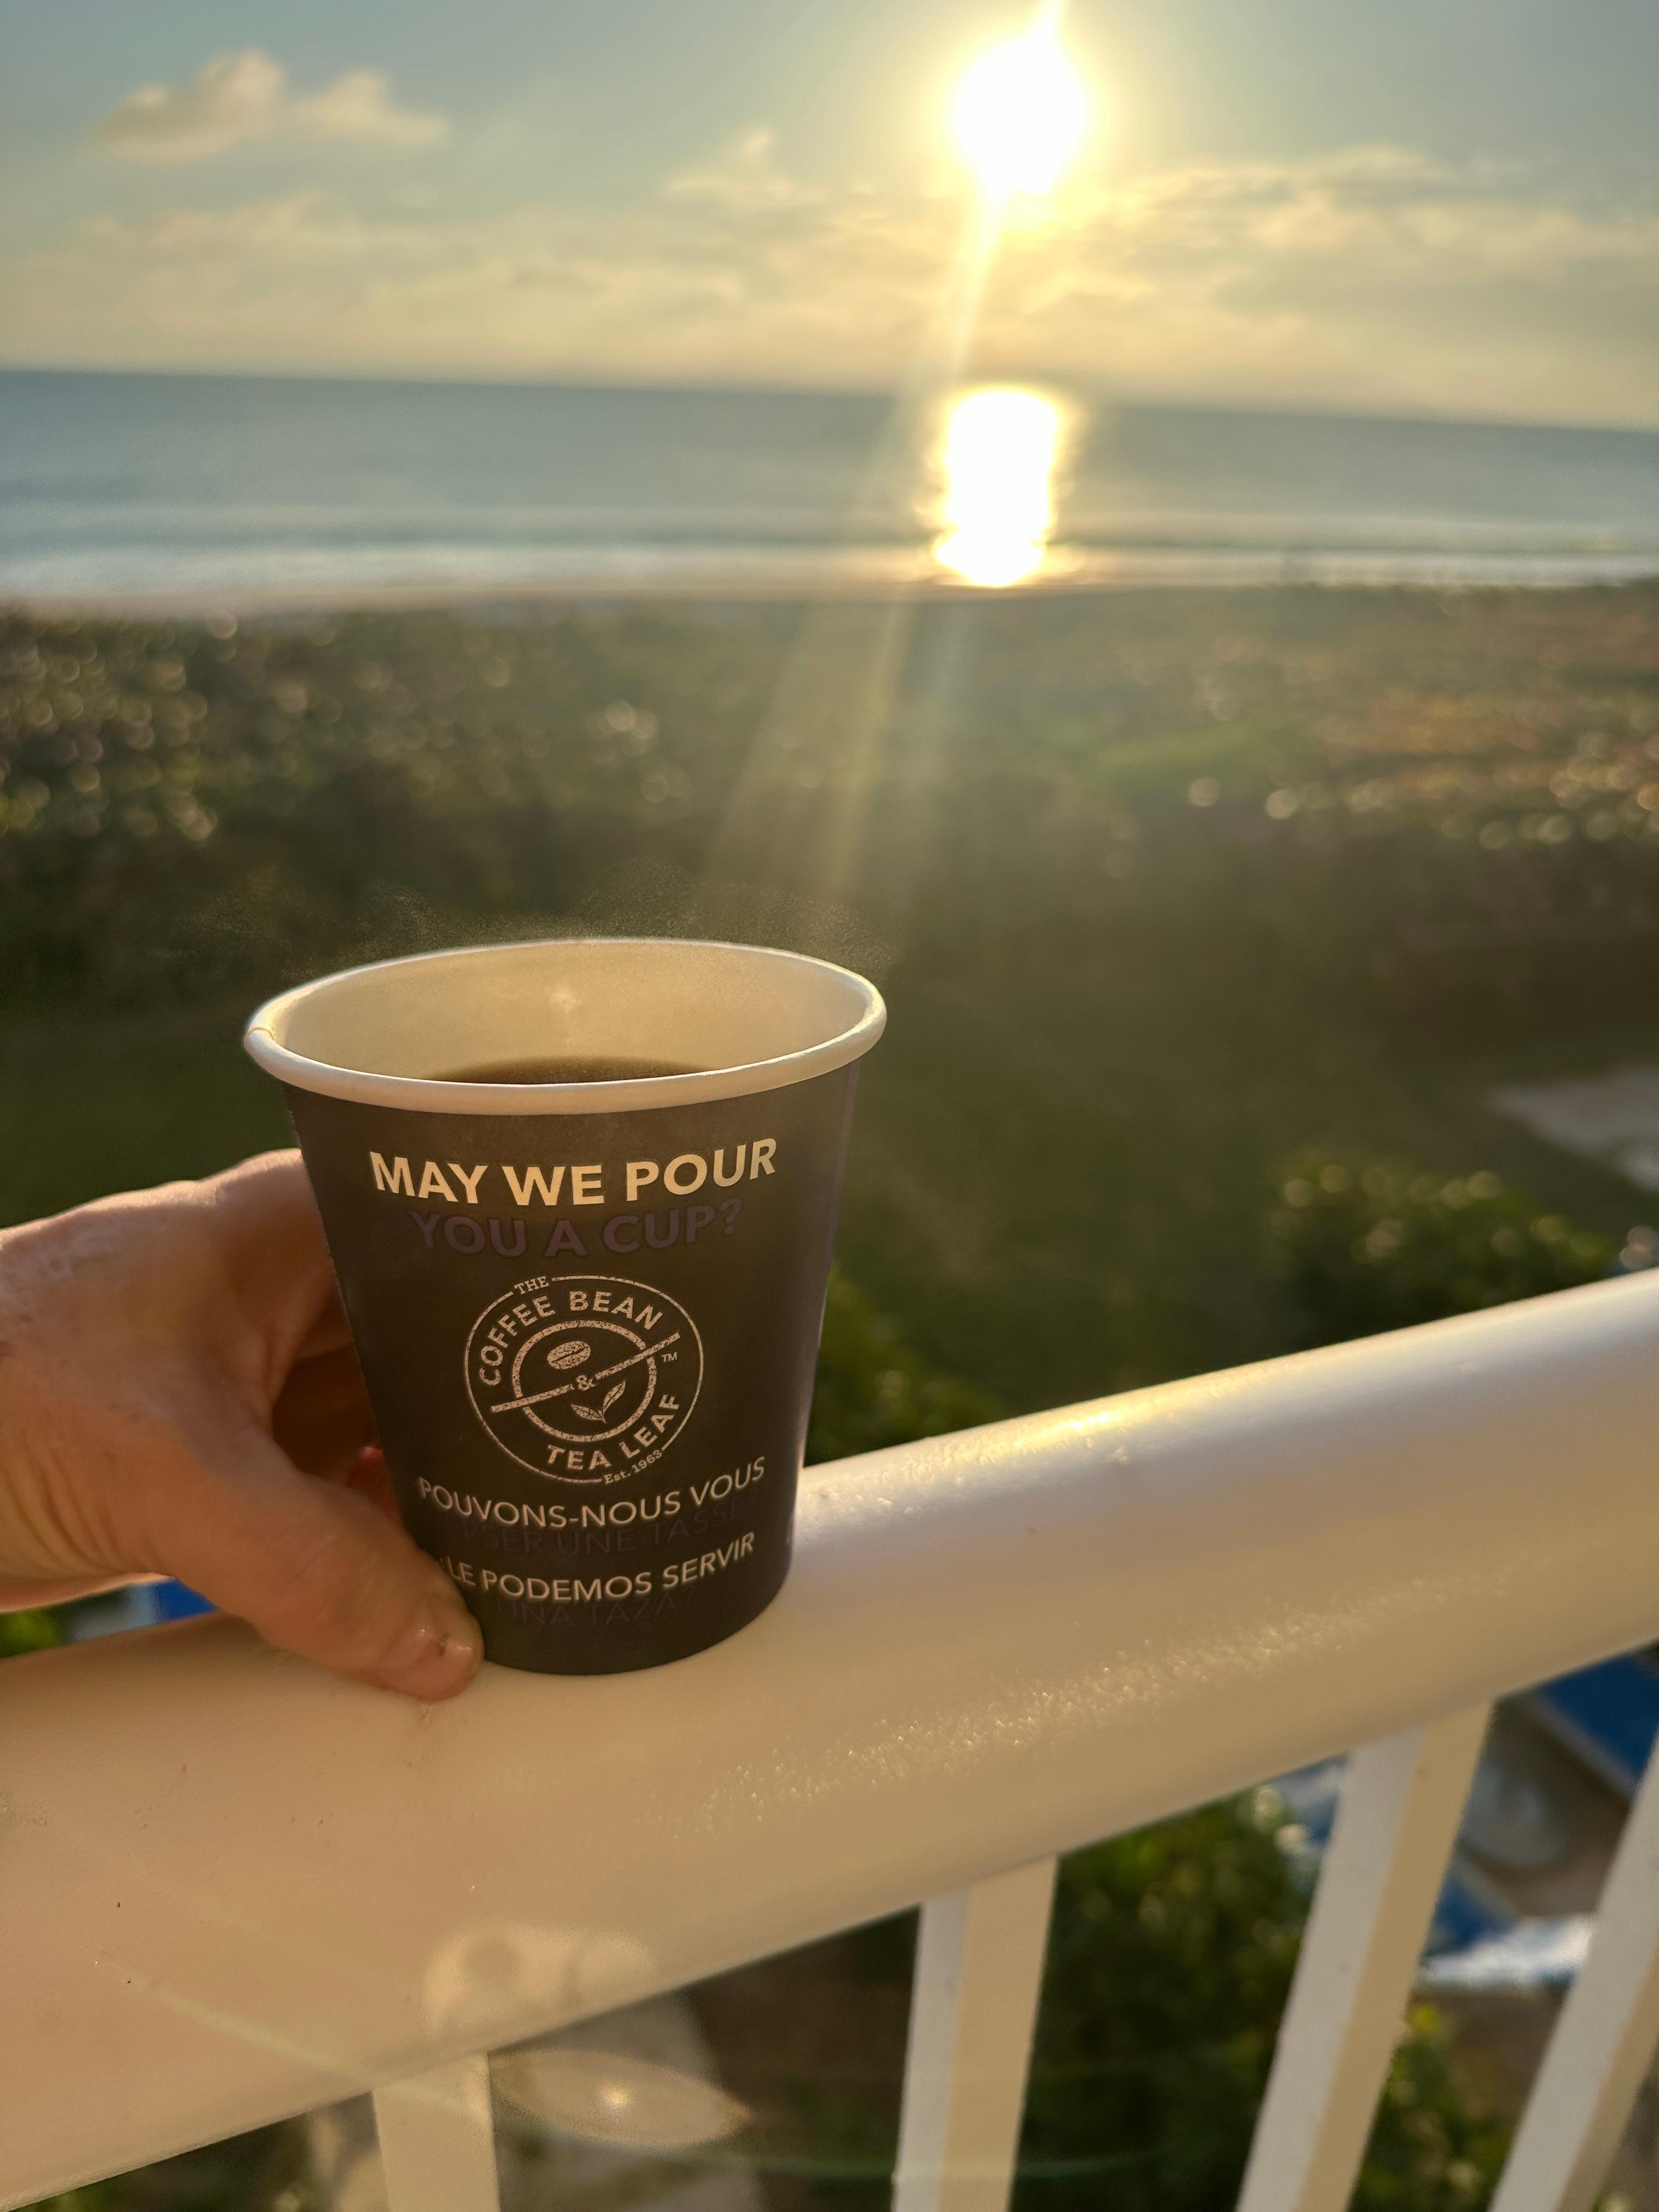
317,1570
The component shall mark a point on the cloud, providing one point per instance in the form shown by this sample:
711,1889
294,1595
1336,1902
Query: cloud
242,98
1376,280
743,176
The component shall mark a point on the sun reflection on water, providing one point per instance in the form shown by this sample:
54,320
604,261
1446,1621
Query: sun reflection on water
1000,453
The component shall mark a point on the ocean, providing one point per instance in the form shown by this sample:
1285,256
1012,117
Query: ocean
147,489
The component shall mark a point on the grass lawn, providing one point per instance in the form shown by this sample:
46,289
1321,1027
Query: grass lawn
1056,1214
1054,1208
96,1103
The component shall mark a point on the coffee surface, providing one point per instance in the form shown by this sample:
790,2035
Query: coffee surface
566,1069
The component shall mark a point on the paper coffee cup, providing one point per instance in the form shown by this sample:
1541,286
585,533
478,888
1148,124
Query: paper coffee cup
588,1312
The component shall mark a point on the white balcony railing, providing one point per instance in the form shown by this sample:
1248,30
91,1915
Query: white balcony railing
233,1889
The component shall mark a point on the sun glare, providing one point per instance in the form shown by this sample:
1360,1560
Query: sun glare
998,455
1020,115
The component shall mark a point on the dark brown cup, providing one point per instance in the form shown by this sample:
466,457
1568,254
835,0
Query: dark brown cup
588,1312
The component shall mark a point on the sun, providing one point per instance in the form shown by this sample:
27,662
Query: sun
1020,115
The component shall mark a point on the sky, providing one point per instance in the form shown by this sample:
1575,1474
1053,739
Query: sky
1437,207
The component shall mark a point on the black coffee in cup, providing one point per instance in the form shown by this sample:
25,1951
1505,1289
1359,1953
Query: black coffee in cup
566,1070
580,1197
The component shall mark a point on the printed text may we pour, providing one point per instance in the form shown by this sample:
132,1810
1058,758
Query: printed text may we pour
571,1183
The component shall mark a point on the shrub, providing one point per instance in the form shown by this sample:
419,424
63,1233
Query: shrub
1169,1965
1369,1244
874,1388
35,1630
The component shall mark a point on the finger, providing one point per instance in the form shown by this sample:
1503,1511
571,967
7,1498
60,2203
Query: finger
370,1478
330,1331
274,1261
317,1569
322,1420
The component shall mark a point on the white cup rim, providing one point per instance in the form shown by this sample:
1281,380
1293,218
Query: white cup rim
263,1040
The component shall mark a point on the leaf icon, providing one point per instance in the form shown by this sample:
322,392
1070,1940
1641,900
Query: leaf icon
611,1396
587,1413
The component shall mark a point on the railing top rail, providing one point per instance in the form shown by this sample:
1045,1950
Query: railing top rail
232,1888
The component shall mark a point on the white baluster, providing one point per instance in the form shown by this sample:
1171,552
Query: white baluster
979,1969
436,2140
1401,1801
1603,2040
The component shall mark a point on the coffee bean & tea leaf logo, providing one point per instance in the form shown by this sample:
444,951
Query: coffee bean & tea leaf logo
584,1378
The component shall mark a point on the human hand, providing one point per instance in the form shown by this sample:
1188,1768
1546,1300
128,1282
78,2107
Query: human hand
178,1395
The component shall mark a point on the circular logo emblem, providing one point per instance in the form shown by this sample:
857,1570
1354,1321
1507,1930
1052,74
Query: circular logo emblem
584,1378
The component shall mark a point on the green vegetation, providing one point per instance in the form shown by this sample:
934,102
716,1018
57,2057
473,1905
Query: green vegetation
874,1388
1375,1244
1160,887
1169,1965
35,1630
264,2172
1169,1959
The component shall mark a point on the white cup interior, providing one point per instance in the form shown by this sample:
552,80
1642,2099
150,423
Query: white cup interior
744,1018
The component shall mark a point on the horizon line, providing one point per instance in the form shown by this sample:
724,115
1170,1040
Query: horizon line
1080,388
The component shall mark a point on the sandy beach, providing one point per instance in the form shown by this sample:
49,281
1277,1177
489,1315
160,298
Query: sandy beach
912,577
